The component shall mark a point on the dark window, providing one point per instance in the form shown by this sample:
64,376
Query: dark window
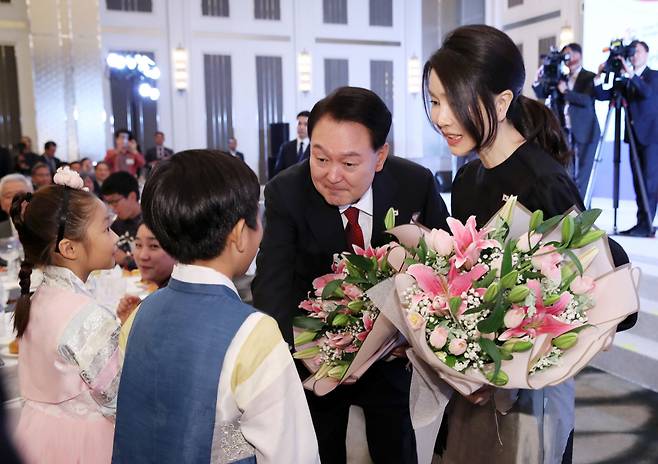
219,100
335,74
145,6
381,12
269,86
267,9
129,108
545,45
381,82
214,8
10,114
511,3
334,11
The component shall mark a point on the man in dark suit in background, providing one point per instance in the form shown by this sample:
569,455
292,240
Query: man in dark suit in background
49,157
233,148
323,206
159,151
580,122
641,92
296,150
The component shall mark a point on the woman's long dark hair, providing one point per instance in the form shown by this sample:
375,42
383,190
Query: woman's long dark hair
476,63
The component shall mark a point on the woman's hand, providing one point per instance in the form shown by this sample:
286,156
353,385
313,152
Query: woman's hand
482,396
126,306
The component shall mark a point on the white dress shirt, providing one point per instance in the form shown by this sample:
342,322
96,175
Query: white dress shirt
305,141
364,205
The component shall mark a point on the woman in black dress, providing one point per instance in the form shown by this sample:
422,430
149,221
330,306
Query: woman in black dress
473,87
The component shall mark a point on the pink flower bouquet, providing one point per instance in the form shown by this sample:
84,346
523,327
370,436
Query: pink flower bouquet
519,303
342,333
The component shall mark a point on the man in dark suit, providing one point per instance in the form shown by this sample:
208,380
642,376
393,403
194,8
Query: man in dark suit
321,207
580,122
159,151
296,150
233,148
641,91
49,157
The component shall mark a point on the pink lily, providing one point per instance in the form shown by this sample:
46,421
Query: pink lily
314,307
339,341
352,291
379,253
544,321
546,261
321,282
469,241
441,289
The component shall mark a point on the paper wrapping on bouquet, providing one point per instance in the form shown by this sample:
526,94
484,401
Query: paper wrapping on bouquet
615,299
380,341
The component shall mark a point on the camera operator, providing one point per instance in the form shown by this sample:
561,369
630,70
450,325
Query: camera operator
576,95
641,91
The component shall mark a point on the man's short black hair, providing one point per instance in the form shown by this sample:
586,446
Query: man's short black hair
355,104
643,43
159,133
122,183
49,144
574,47
37,166
306,114
193,200
118,132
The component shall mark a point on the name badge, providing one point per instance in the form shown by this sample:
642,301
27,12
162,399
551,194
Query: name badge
130,161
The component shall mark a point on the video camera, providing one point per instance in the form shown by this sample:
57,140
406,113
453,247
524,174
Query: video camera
552,72
618,49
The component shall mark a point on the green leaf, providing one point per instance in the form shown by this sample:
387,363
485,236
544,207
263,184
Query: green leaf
536,219
362,263
308,323
495,320
389,219
455,303
332,289
587,219
489,347
478,309
340,320
305,337
568,229
486,280
506,265
587,238
451,360
509,279
422,250
574,260
549,224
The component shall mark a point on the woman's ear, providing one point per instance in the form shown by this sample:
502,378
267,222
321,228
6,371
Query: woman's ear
503,102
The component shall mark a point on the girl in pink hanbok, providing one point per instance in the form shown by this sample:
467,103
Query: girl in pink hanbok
68,356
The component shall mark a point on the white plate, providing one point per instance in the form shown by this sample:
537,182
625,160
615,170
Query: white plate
4,352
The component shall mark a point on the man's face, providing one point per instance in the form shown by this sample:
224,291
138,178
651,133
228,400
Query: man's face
302,127
640,57
574,60
41,177
343,162
159,139
27,142
50,151
9,191
124,207
121,142
232,144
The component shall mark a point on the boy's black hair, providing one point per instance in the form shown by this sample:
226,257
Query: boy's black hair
122,183
193,200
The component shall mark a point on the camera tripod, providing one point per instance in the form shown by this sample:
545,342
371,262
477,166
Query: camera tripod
617,102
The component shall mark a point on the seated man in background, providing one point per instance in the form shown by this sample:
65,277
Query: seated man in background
154,264
41,176
10,186
121,192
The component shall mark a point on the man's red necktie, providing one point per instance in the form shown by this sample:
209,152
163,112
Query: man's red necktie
353,232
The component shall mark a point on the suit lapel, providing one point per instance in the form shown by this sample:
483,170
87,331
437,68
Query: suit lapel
384,190
324,222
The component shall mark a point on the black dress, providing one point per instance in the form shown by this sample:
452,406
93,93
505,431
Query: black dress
536,428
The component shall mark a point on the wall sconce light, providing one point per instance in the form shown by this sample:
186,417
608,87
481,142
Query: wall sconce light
566,36
180,69
304,66
414,77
